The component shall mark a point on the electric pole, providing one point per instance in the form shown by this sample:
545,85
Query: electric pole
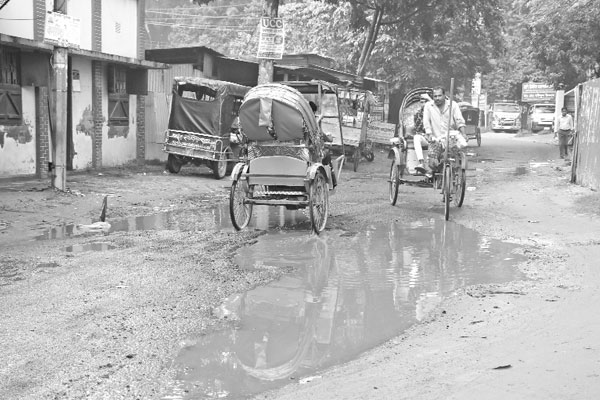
60,60
265,66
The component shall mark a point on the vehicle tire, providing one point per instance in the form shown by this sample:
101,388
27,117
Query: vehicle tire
239,211
356,159
460,185
369,155
219,167
318,203
446,190
478,138
395,175
173,164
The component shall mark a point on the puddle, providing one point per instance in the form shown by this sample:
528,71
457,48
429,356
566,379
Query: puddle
348,294
78,248
263,217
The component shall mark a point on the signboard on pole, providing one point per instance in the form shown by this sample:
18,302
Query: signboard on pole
271,40
62,30
535,92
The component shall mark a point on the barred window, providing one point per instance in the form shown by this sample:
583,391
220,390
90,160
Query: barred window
118,99
10,86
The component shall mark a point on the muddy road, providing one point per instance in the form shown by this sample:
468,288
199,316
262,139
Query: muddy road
166,300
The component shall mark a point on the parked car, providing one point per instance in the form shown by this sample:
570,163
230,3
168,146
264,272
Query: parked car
506,117
540,116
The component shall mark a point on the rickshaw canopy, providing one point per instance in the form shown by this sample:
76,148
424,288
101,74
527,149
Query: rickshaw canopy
204,105
470,113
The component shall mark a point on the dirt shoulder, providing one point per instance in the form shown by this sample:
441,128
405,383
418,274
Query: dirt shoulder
108,325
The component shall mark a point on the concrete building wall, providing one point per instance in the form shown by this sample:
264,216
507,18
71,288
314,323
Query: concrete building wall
82,9
18,17
119,27
81,113
18,142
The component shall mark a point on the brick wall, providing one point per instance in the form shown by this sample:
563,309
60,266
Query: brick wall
42,123
140,114
39,16
141,34
97,25
97,84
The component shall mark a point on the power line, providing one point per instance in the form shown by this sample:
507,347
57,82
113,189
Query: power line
200,8
203,27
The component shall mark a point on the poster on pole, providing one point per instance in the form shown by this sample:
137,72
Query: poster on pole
271,40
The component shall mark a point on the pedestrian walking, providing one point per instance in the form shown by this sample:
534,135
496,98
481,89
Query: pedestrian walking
564,131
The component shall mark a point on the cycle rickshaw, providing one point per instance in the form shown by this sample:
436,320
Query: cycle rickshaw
471,116
450,178
355,107
285,164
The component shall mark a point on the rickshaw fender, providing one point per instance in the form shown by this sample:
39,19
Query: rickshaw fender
395,154
314,168
239,169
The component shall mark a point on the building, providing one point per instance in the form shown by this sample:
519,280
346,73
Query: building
96,119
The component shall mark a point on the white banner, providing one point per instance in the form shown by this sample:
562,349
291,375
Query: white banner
271,41
62,30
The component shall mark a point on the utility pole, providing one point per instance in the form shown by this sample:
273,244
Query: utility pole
265,66
60,59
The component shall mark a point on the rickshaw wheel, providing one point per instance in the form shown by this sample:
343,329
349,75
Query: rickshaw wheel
356,159
460,184
478,138
395,175
447,187
173,164
220,167
318,203
239,211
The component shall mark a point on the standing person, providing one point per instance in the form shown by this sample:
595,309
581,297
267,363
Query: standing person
565,130
436,116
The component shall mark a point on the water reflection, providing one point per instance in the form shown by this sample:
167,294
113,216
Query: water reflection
348,295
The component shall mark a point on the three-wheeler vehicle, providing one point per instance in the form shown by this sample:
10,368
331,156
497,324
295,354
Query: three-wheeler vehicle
450,178
287,163
471,116
202,127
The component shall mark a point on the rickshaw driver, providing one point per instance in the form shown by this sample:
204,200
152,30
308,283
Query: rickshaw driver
435,122
326,138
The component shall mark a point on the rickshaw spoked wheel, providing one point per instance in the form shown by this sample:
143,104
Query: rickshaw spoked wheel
478,138
460,184
220,167
318,202
395,175
446,190
173,164
239,211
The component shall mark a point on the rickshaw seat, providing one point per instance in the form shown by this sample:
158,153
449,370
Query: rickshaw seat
277,170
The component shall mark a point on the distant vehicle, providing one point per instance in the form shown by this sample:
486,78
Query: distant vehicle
506,117
540,116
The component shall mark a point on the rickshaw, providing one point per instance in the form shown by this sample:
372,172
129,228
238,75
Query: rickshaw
450,178
355,105
471,116
202,124
285,163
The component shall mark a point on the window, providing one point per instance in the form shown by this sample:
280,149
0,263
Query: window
10,86
118,98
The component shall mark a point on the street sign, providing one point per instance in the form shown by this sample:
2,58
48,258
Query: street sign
271,40
535,92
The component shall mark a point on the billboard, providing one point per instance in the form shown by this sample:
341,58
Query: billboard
536,92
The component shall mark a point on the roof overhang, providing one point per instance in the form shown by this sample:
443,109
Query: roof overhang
35,45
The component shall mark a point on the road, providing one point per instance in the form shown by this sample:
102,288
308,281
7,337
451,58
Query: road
95,312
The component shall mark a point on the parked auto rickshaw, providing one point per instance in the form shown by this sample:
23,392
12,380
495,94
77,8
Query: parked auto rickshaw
286,163
471,116
202,122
